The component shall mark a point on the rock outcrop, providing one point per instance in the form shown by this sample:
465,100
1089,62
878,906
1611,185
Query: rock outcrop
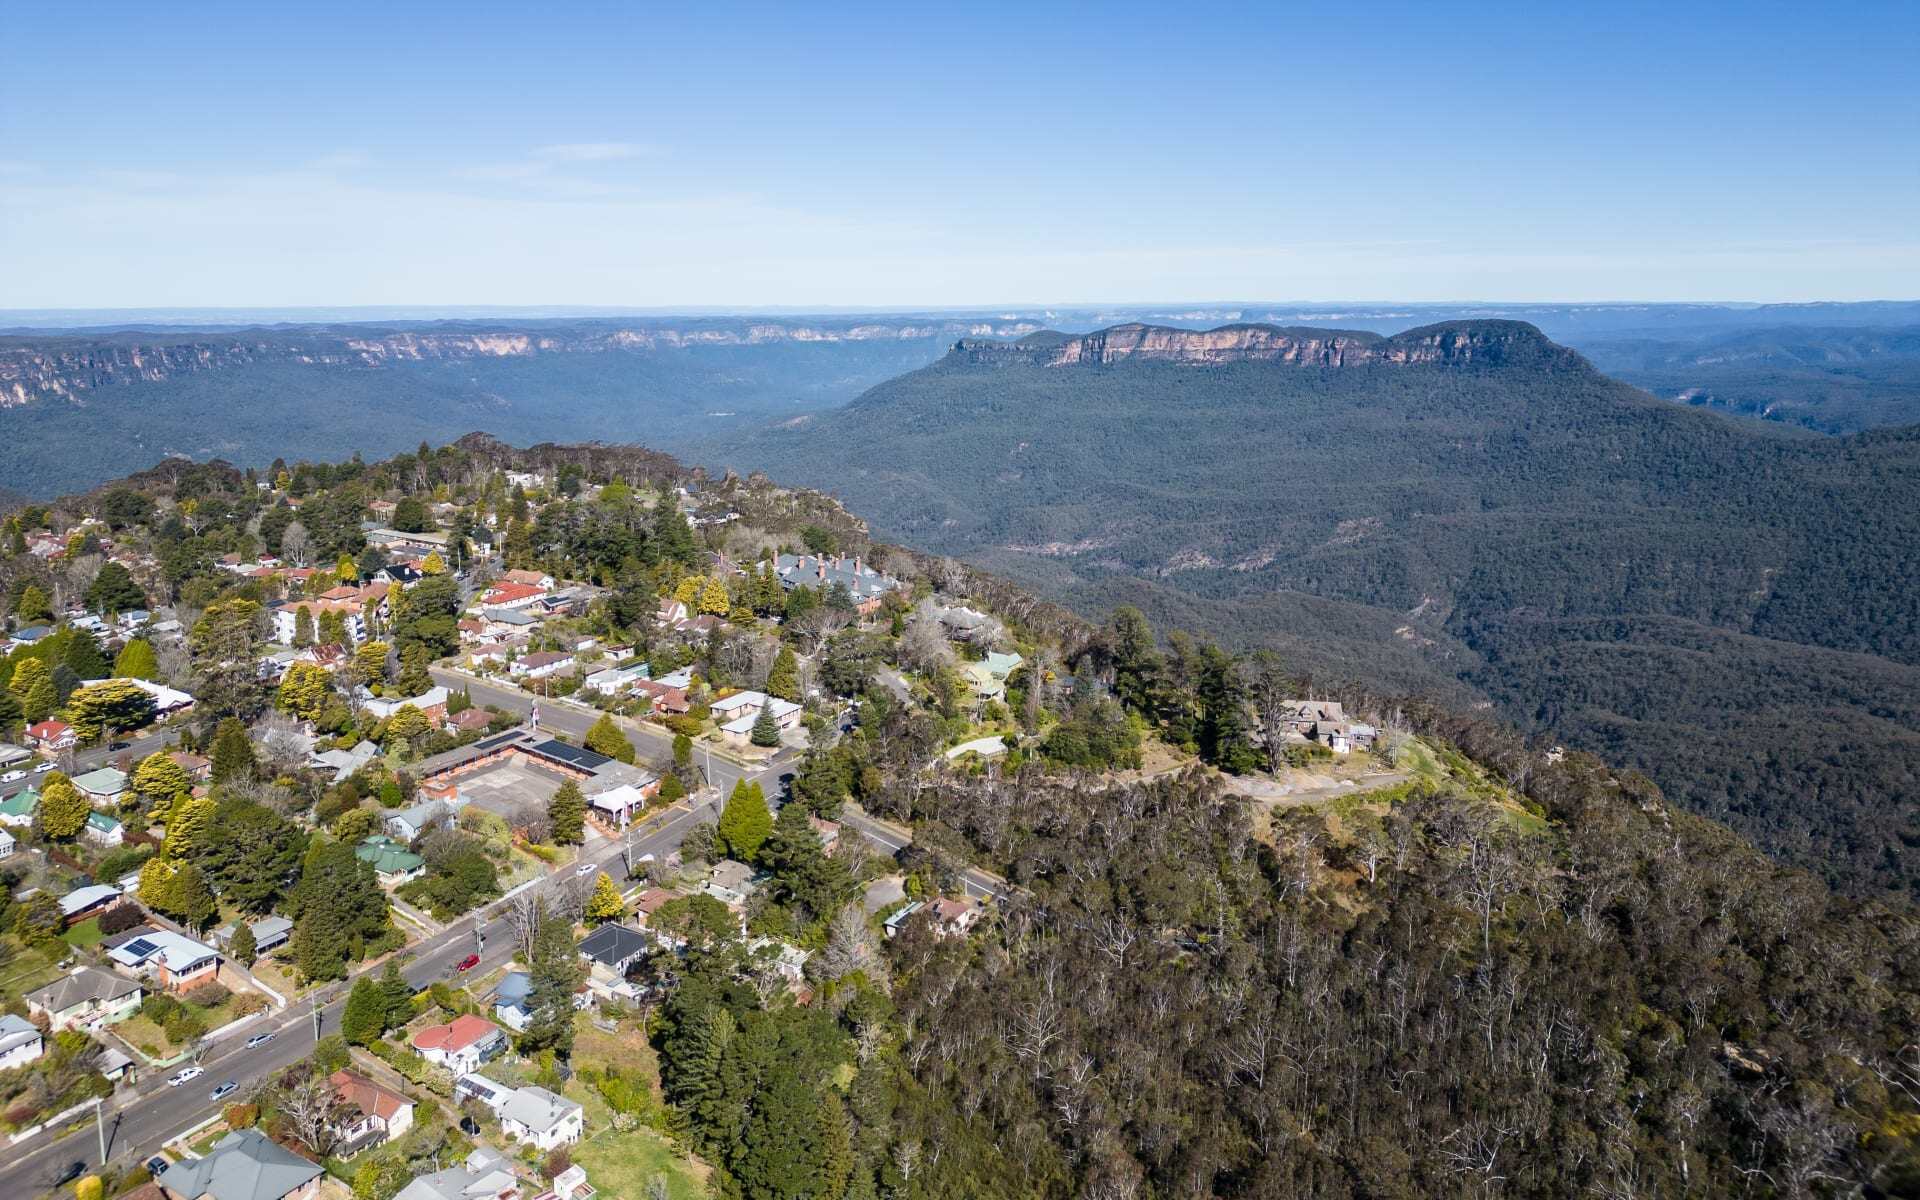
1450,343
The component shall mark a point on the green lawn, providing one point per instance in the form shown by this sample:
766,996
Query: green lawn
85,935
620,1164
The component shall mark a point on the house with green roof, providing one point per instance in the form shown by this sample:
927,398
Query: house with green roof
103,830
17,810
988,677
103,786
391,860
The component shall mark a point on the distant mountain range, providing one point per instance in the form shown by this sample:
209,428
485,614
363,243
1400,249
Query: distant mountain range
94,392
92,404
1828,380
1466,508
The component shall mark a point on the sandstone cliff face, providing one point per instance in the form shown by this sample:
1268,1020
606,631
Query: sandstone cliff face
70,368
1454,343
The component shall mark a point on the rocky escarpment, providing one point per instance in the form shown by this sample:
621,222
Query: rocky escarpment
1450,343
69,368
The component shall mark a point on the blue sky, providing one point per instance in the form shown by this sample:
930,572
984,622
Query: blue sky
918,155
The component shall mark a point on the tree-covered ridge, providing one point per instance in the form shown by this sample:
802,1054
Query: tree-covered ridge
1445,521
1620,1000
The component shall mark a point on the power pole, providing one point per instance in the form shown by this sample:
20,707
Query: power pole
100,1127
316,1017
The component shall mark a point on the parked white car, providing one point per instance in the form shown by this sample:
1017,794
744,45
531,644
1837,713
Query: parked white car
13,776
186,1076
44,767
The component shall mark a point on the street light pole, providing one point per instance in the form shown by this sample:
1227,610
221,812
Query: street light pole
100,1126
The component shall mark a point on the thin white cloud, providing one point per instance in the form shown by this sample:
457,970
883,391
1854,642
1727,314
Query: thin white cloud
588,151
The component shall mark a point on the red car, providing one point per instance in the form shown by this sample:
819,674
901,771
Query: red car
468,963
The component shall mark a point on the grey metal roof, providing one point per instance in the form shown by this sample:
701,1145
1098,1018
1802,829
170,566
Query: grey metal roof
244,1165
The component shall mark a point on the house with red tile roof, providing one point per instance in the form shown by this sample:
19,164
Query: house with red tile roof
462,1044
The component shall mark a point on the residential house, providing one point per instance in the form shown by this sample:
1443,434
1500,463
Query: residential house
243,1165
486,1092
537,579
87,999
90,901
650,902
512,596
198,768
730,882
540,1118
432,702
472,720
17,810
485,1175
988,677
618,806
667,699
103,830
50,736
269,933
20,1042
171,960
505,622
905,913
542,663
102,787
372,1114
612,681
423,542
510,1001
8,844
462,1044
29,636
409,823
167,702
867,586
344,762
954,917
393,864
611,951
570,1184
738,713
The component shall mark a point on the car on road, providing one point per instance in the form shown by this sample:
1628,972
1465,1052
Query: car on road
119,745
468,963
224,1090
44,767
13,776
74,1171
184,1076
585,869
258,1039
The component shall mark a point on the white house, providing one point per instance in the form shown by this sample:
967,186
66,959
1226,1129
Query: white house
20,1042
7,844
86,999
462,1044
538,1117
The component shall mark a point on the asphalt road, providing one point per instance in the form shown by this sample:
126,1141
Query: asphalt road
139,1120
86,760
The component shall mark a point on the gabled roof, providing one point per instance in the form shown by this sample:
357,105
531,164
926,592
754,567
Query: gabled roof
367,1096
81,899
537,1108
244,1165
456,1035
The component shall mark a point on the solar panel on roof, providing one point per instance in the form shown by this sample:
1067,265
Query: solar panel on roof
585,759
140,947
